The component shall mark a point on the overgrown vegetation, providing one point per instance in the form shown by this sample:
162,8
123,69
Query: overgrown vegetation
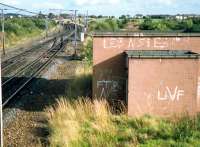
19,28
109,25
90,123
160,25
79,121
86,51
81,85
163,25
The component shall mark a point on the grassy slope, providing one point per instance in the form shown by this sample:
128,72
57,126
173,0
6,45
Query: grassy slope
20,30
82,122
86,123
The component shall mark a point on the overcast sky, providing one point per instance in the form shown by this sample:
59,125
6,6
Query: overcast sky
112,7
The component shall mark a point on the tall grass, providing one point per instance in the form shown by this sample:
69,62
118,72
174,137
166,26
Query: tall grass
81,123
77,121
81,85
84,122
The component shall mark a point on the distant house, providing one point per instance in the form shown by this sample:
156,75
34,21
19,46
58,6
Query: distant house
138,16
186,16
14,15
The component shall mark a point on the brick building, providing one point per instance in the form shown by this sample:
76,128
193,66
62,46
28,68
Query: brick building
155,74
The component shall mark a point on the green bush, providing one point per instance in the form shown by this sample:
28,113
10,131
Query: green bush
110,25
25,25
86,51
147,25
18,28
165,25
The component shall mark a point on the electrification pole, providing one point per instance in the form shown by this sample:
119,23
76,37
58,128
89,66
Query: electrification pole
87,20
46,26
75,36
75,33
3,32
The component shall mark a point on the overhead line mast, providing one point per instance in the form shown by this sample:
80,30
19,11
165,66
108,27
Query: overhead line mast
2,29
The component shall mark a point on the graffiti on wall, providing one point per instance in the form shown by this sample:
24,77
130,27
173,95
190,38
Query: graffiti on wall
142,42
170,94
107,87
113,43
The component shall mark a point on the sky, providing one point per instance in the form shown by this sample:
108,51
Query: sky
112,7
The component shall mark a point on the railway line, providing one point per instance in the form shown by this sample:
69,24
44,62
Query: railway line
17,62
12,85
20,57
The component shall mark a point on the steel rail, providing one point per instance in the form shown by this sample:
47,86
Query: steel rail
32,76
26,67
37,47
14,58
35,73
8,65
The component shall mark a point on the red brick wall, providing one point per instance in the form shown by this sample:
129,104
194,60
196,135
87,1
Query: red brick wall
162,86
109,61
108,47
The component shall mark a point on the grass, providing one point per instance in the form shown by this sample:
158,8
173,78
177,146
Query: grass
20,30
84,122
81,85
77,121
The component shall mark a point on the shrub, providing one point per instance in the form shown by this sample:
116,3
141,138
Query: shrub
82,84
84,122
110,25
86,51
20,28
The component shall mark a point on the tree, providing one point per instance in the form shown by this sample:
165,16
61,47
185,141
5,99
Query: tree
51,16
147,24
122,17
100,16
188,24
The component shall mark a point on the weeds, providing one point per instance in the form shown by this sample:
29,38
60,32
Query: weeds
84,122
82,84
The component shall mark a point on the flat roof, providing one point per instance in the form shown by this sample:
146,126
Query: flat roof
143,34
173,54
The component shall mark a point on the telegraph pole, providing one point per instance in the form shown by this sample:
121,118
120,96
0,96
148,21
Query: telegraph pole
87,20
75,36
75,33
46,26
3,32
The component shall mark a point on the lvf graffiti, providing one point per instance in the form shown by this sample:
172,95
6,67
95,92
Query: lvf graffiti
171,94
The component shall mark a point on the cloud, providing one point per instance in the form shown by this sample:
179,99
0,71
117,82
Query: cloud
11,2
47,5
167,2
97,2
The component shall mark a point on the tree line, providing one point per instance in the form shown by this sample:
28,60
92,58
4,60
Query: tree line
147,24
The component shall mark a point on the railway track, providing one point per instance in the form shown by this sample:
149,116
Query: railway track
13,85
21,57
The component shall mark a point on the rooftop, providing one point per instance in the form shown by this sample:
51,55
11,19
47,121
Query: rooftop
182,54
145,33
